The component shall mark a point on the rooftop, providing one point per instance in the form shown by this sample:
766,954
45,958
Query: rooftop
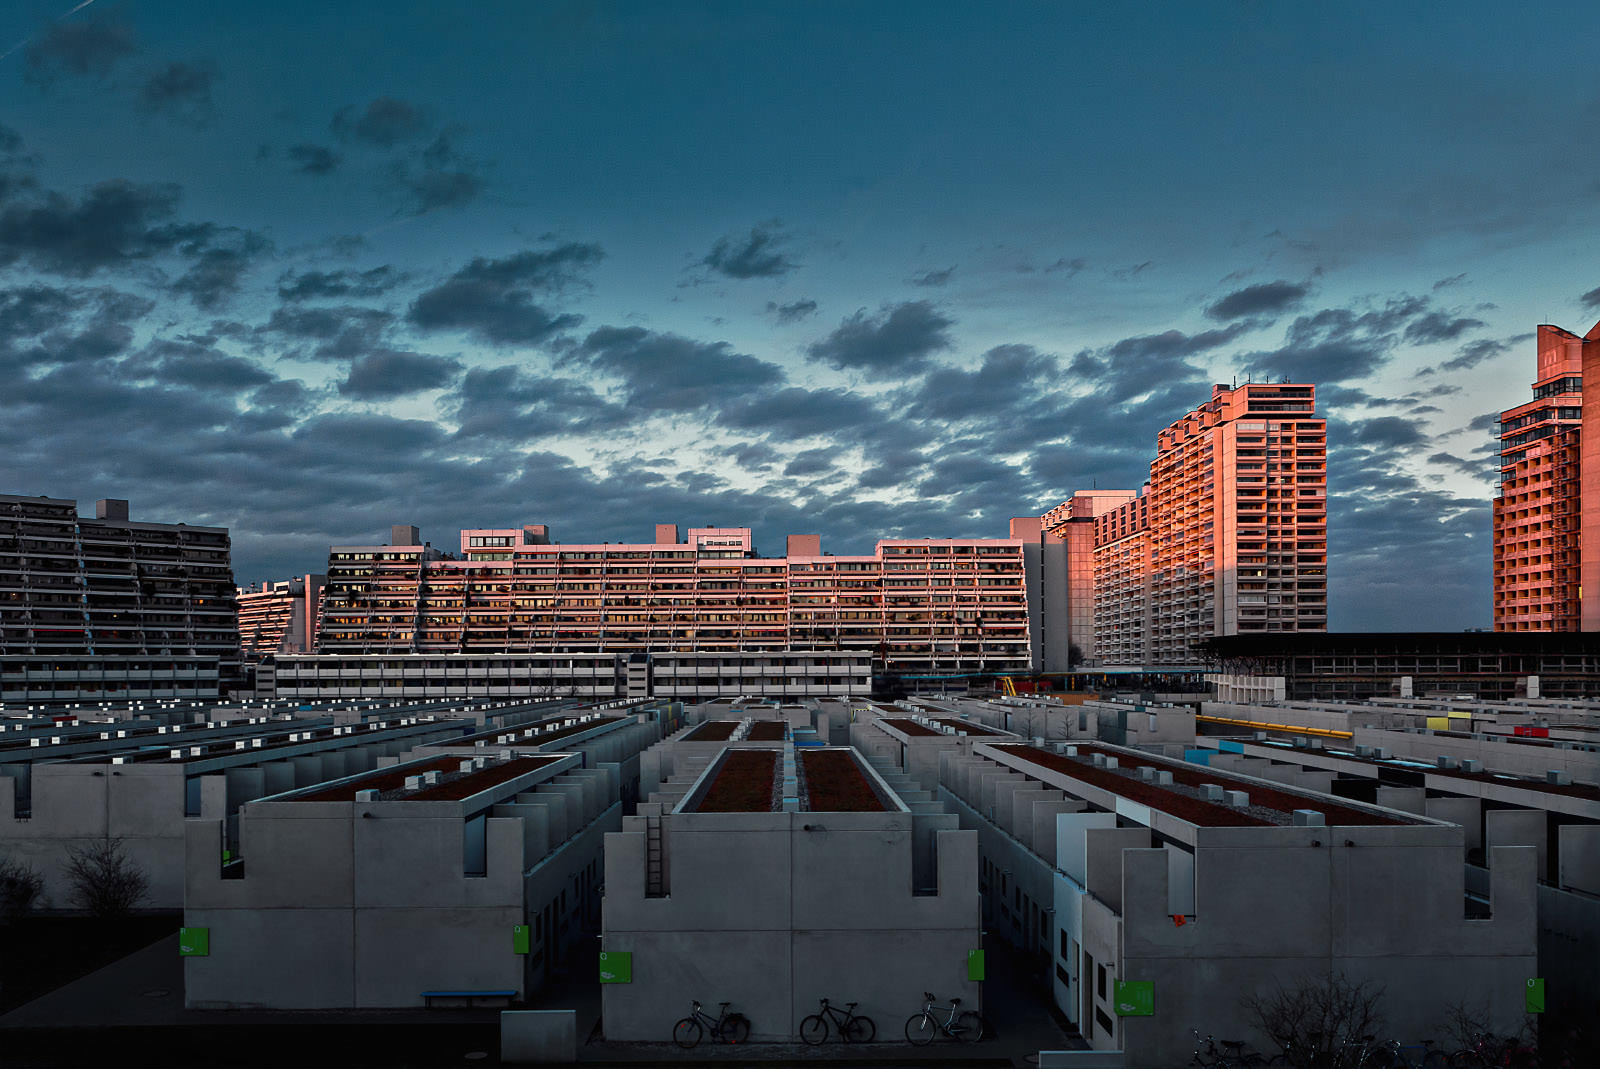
453,784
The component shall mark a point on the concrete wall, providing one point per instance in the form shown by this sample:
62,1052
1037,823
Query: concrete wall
773,911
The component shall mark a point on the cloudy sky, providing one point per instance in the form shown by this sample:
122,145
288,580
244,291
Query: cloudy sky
307,269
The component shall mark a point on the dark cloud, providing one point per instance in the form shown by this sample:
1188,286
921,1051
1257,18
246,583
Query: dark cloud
1264,298
795,412
757,255
1009,375
897,340
180,89
1474,353
1386,432
441,176
494,299
342,332
1135,366
84,49
348,434
932,278
195,361
113,224
216,273
313,159
43,325
1434,327
1591,299
792,312
1338,344
811,462
1453,280
668,372
384,122
327,285
10,140
387,374
1070,267
1477,469
510,405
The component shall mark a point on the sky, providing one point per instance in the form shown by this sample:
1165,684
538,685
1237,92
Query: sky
307,270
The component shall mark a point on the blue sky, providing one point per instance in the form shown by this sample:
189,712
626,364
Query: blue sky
864,269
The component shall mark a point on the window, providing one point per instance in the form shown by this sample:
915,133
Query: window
1100,982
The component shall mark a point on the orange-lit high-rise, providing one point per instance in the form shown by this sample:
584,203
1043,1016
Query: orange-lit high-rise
1538,550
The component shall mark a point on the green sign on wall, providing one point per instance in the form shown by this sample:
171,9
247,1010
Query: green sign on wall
974,965
1535,996
519,939
194,942
616,967
1135,998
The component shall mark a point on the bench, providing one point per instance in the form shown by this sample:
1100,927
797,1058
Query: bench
501,998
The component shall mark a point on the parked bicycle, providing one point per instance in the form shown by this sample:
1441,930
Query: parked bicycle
1392,1055
964,1026
728,1027
851,1026
1487,1050
1235,1055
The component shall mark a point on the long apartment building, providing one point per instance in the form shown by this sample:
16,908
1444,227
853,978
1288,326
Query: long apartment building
279,617
918,605
108,607
1538,548
1229,536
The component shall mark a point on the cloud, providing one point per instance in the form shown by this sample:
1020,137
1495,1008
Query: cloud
194,361
494,299
44,325
668,372
1387,432
1338,344
1135,366
387,374
342,332
313,159
215,274
384,122
1264,298
1070,267
792,312
83,49
900,338
180,89
757,255
932,278
508,404
114,223
326,285
1453,280
1591,299
812,462
1439,326
1476,352
441,177
1009,375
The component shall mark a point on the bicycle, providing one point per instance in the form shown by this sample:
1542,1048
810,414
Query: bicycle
728,1027
851,1026
922,1026
1392,1055
1207,1055
1487,1049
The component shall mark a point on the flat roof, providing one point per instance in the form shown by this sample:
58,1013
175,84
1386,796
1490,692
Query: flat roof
453,784
528,734
1502,779
1268,805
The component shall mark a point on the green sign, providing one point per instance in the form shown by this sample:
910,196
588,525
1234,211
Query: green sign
1535,996
974,965
519,939
616,967
1135,998
194,942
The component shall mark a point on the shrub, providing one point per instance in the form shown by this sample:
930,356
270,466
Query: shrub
104,880
20,887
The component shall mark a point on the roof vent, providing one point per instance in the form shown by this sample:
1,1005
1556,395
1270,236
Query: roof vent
1111,762
1309,818
1070,751
1446,762
368,795
1238,799
1363,751
413,783
1211,792
1147,773
1164,779
1099,760
1558,777
430,779
1471,766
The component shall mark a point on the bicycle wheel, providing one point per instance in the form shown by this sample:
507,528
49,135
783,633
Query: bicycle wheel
920,1029
969,1027
860,1030
736,1029
686,1033
1468,1059
814,1029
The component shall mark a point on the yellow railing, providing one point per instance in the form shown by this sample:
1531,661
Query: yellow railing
1327,733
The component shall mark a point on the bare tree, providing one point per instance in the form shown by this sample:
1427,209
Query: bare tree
1320,1021
20,887
104,880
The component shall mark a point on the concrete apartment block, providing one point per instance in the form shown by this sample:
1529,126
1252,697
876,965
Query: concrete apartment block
141,782
1209,901
775,910
371,890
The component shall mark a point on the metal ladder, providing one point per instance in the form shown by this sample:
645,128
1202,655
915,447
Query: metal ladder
655,884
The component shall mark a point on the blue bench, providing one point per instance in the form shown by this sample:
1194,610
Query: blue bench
502,997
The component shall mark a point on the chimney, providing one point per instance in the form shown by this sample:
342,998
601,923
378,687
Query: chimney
405,535
111,508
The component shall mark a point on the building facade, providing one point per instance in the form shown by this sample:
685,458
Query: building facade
279,617
112,597
1537,513
1230,535
1075,523
918,606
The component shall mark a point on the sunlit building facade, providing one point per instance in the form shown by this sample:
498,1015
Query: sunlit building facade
1230,535
1538,525
920,605
279,617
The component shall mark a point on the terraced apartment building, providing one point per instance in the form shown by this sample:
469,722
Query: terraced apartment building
1538,554
919,605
